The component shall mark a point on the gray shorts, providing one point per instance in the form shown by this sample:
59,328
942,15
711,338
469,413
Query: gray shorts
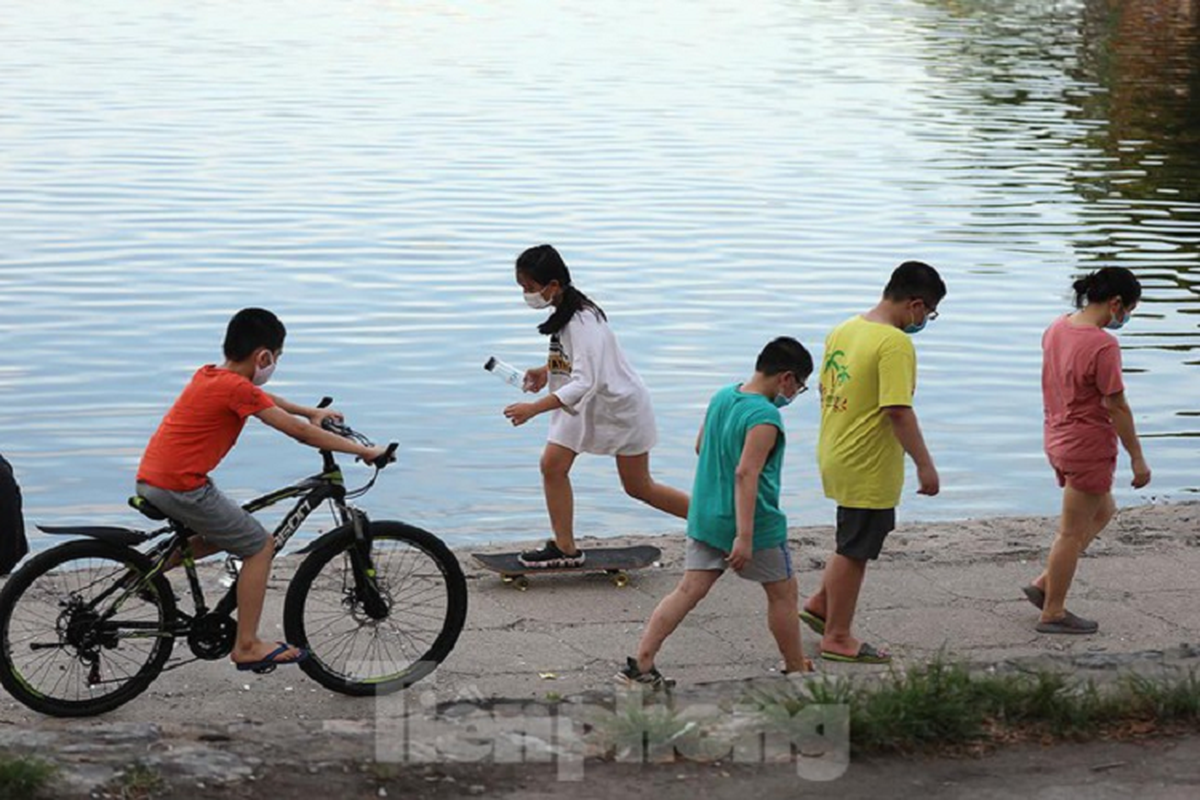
766,566
221,521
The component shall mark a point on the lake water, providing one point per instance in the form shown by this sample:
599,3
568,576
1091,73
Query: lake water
715,173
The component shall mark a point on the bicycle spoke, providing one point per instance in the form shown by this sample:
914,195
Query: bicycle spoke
63,611
44,661
346,640
383,646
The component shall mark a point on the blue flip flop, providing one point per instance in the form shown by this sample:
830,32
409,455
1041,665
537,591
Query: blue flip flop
272,661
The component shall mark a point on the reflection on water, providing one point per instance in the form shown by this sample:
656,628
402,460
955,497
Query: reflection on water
715,173
1147,53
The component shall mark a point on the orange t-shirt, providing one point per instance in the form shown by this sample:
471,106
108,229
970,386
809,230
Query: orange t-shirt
202,426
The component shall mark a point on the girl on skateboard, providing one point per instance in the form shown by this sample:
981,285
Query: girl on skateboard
597,404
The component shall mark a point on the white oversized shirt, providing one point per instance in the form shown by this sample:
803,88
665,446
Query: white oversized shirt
606,407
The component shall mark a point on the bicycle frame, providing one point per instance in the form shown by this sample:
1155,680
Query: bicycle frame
89,619
312,493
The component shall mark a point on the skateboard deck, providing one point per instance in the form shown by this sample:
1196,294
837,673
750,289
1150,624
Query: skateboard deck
614,561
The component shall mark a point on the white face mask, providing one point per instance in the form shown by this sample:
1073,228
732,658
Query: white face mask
263,374
535,301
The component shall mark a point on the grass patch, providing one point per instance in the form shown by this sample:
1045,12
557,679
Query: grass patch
944,705
641,731
137,782
24,777
1177,701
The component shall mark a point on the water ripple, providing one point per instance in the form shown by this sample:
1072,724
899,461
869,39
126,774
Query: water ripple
717,173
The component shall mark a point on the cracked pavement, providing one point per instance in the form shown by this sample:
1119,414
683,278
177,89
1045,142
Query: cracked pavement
952,587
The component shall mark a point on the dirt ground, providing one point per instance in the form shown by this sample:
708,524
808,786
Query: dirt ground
1159,769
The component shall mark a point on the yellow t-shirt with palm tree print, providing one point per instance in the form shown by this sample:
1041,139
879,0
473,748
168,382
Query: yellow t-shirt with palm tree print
868,366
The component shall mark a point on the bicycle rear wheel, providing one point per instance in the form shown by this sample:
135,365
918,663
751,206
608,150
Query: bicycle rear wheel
83,630
425,596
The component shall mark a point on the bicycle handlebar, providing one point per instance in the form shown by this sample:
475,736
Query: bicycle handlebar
388,457
342,429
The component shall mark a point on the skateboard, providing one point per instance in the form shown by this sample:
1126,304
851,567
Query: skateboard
613,561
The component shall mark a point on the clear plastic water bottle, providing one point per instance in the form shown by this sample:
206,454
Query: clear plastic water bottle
506,372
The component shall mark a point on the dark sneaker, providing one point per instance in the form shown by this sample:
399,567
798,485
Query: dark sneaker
630,675
548,556
809,669
1069,623
1035,595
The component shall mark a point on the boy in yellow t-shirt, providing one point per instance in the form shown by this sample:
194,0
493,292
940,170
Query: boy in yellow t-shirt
868,377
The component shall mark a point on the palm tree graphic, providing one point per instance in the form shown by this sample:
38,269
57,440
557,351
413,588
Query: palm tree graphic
832,364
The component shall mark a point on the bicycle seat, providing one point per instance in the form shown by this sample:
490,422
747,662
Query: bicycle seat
147,508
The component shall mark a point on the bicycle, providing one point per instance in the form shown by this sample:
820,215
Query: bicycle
88,625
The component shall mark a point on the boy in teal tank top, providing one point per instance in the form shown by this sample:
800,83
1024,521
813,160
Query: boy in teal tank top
712,518
734,519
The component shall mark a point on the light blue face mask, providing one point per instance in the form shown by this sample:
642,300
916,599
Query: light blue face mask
783,401
913,327
1115,324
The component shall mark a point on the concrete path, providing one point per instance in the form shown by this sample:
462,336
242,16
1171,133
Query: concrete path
950,588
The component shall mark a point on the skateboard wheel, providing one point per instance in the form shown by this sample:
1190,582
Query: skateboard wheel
620,580
521,582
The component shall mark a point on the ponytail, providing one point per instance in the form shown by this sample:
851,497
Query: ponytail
1106,283
544,265
571,303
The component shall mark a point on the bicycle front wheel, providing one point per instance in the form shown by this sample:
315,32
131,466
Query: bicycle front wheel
83,629
358,650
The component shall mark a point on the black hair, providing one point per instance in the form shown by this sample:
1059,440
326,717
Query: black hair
250,329
543,264
785,354
915,280
1106,283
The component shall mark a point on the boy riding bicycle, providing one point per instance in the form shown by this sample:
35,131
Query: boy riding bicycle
196,434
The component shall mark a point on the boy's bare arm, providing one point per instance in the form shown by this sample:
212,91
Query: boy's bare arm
313,415
760,440
908,432
284,422
1122,417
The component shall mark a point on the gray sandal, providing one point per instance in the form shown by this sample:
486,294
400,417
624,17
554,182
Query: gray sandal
1035,595
1069,624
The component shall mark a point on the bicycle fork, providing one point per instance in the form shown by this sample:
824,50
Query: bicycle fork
366,585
